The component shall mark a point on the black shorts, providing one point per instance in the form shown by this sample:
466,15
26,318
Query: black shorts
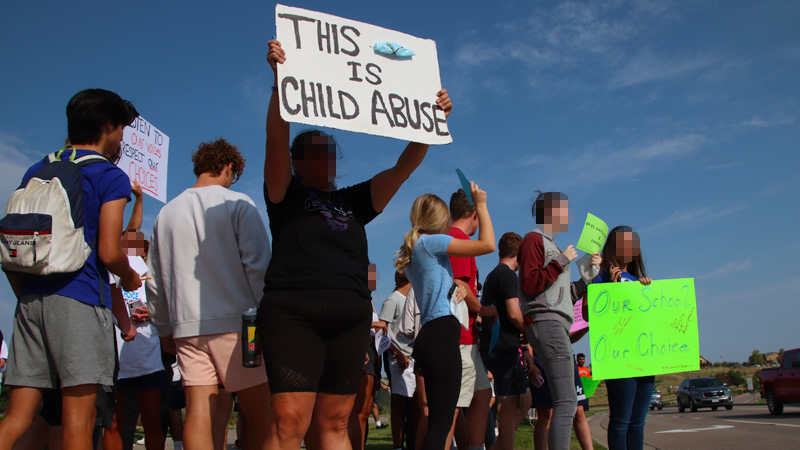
156,380
373,367
105,403
510,377
314,340
178,395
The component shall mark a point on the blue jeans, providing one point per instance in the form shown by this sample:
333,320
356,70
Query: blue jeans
629,402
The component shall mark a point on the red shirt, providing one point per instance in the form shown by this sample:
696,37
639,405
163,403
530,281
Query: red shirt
584,371
466,268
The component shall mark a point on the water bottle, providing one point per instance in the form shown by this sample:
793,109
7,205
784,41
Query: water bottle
251,347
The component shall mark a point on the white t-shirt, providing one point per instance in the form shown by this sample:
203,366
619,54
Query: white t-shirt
142,356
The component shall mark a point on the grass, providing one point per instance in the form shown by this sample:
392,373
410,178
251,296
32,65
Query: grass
382,439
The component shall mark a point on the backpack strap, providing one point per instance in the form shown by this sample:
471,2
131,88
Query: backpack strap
80,162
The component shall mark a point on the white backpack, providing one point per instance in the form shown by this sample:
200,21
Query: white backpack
42,231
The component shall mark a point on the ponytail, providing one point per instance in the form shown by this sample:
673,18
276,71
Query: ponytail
429,214
404,254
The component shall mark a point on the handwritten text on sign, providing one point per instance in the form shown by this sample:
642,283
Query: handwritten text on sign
144,157
638,330
334,78
593,236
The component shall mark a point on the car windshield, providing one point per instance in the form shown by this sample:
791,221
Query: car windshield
713,382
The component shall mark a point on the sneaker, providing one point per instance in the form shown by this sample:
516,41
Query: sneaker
382,426
140,441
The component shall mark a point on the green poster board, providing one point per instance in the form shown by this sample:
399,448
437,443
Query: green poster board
637,330
593,235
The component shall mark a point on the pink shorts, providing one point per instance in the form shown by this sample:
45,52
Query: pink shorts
216,359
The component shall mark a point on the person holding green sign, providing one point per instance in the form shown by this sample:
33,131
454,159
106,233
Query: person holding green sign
628,398
547,297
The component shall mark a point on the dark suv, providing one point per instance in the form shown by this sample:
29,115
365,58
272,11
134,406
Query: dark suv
705,392
656,401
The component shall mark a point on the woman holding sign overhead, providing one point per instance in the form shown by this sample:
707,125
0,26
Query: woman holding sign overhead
315,316
628,398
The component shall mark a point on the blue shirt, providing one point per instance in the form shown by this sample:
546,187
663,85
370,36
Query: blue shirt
102,182
603,277
431,276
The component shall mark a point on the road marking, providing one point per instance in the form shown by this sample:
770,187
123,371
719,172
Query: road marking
694,430
764,423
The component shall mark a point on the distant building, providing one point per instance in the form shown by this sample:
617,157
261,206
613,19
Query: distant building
771,357
704,362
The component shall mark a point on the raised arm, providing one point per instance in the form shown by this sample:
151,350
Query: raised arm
108,246
277,163
387,183
135,223
486,242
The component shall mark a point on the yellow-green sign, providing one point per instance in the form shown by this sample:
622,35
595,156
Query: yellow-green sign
593,235
637,330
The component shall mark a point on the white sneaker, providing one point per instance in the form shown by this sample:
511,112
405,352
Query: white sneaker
140,441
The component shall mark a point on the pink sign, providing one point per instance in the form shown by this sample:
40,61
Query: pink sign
578,323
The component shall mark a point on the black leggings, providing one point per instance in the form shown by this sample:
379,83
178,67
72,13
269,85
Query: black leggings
314,340
437,358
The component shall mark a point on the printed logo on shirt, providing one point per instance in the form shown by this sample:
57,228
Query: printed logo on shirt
335,216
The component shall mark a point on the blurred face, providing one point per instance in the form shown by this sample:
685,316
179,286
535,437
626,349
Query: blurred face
133,243
559,216
627,247
318,166
581,361
372,277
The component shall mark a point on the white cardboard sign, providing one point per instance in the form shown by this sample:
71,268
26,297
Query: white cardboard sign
333,77
144,157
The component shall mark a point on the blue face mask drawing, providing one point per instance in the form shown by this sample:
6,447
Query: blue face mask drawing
393,49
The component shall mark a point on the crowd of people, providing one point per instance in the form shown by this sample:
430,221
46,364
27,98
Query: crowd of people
153,326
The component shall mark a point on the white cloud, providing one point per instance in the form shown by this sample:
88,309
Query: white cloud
16,162
695,217
727,269
758,122
648,67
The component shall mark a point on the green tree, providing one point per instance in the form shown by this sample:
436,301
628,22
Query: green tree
780,356
756,358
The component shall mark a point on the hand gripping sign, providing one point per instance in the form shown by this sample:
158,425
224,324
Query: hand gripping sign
353,76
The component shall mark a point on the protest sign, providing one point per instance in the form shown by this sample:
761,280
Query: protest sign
593,235
589,385
350,75
465,185
578,323
144,157
639,330
382,342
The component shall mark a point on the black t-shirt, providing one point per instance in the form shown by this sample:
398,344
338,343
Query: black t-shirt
318,238
500,284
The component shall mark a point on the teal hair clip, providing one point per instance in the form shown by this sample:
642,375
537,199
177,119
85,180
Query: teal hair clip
393,49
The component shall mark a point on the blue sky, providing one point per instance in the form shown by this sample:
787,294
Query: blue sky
679,118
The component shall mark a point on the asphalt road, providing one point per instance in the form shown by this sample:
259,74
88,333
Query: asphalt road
746,426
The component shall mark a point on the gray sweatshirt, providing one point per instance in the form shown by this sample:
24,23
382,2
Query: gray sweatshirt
208,255
545,291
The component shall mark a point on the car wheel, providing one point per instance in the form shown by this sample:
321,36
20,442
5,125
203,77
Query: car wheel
660,408
692,406
651,408
681,408
713,408
775,406
728,407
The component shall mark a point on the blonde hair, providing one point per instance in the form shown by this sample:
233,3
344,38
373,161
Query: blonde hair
429,214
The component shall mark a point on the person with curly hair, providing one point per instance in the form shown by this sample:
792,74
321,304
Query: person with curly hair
208,254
